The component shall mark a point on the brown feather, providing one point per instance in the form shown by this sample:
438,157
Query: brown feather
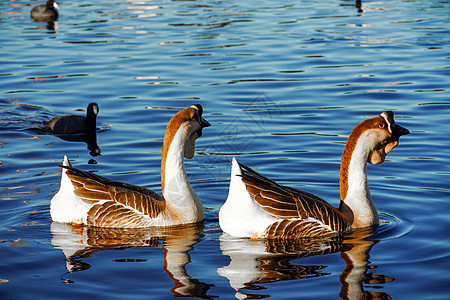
115,202
289,203
294,229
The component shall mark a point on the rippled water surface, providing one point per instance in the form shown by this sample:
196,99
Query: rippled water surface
282,83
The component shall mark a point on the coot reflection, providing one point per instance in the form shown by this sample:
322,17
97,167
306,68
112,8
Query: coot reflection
88,137
76,128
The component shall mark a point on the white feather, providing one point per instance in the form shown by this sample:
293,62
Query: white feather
240,215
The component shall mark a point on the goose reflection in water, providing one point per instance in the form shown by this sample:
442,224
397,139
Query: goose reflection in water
81,242
256,262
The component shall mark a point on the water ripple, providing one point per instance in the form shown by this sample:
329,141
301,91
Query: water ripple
282,84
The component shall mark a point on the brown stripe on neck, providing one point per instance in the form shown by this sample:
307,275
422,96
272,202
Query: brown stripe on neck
172,128
347,156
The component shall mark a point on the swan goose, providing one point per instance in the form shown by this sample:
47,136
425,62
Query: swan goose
258,207
85,198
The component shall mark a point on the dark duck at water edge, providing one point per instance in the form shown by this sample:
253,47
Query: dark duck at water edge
45,12
74,124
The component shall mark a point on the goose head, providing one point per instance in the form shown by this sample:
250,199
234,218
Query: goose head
191,122
182,131
196,124
381,134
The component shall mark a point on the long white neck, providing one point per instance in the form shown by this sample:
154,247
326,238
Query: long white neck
357,205
180,197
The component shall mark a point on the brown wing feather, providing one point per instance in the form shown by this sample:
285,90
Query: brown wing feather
287,203
278,202
114,215
115,204
294,229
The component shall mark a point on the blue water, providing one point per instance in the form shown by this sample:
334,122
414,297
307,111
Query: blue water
282,83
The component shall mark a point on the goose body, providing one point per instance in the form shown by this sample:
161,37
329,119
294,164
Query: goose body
258,207
45,12
85,198
74,124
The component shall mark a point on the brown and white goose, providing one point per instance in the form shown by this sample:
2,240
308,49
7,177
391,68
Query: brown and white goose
85,198
258,207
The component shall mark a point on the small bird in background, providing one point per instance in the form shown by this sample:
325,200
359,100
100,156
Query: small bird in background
74,124
45,12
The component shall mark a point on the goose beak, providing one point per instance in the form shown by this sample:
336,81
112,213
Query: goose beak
204,123
395,130
399,131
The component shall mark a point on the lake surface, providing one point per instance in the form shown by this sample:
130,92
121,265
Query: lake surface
282,83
